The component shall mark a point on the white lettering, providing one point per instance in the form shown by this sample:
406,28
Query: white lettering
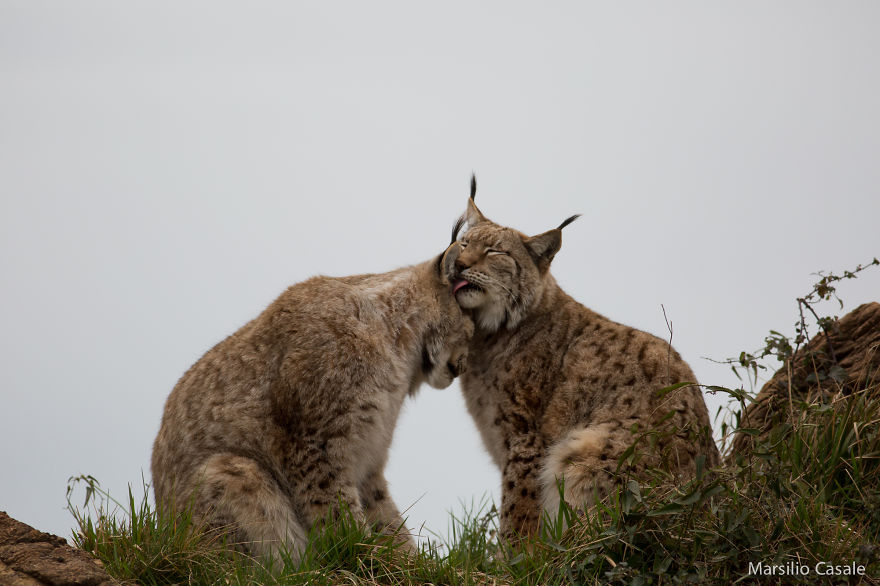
794,569
787,569
826,569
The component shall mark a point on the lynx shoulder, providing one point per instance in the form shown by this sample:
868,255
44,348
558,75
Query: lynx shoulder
296,410
558,391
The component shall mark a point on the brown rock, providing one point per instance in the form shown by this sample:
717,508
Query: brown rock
32,558
845,361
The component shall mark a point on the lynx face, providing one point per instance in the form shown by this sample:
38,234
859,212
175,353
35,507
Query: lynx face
496,276
449,360
499,273
446,346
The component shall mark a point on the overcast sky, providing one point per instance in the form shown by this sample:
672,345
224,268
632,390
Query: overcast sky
167,169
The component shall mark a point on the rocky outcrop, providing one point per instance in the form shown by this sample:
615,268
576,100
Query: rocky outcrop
32,558
839,363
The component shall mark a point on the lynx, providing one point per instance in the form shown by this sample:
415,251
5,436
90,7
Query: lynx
294,412
559,392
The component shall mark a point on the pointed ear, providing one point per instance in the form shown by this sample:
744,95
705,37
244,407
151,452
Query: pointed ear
544,247
447,263
456,228
473,215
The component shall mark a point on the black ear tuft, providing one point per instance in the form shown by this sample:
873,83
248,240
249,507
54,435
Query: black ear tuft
456,228
568,221
473,185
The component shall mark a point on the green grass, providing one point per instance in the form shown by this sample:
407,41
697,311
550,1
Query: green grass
809,493
137,546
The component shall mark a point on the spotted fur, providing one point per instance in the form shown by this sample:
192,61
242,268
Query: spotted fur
296,410
559,392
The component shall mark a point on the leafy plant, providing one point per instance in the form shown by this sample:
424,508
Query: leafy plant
783,347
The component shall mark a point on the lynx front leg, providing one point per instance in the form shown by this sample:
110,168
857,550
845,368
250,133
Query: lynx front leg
520,494
382,512
323,483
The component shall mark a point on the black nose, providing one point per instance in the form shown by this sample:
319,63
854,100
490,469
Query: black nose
454,370
460,265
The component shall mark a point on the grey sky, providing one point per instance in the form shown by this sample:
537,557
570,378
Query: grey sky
167,169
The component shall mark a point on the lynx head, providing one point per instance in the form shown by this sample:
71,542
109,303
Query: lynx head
501,272
446,343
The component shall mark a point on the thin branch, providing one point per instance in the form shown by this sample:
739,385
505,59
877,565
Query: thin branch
669,345
803,302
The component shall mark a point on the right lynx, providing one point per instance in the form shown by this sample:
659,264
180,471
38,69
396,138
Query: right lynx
559,392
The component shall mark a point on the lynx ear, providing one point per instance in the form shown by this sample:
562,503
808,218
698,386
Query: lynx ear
545,246
447,263
456,228
473,215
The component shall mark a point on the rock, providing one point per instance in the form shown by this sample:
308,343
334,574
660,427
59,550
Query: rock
845,361
32,558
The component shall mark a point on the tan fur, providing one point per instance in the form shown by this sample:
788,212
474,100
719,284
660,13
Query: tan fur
560,392
296,410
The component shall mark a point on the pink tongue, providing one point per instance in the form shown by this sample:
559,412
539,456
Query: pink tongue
458,285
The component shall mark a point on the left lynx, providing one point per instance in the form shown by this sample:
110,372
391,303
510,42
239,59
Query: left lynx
293,414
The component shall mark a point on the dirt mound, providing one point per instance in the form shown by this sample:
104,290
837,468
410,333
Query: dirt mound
844,361
32,558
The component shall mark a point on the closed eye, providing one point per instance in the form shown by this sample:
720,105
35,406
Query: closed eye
492,252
